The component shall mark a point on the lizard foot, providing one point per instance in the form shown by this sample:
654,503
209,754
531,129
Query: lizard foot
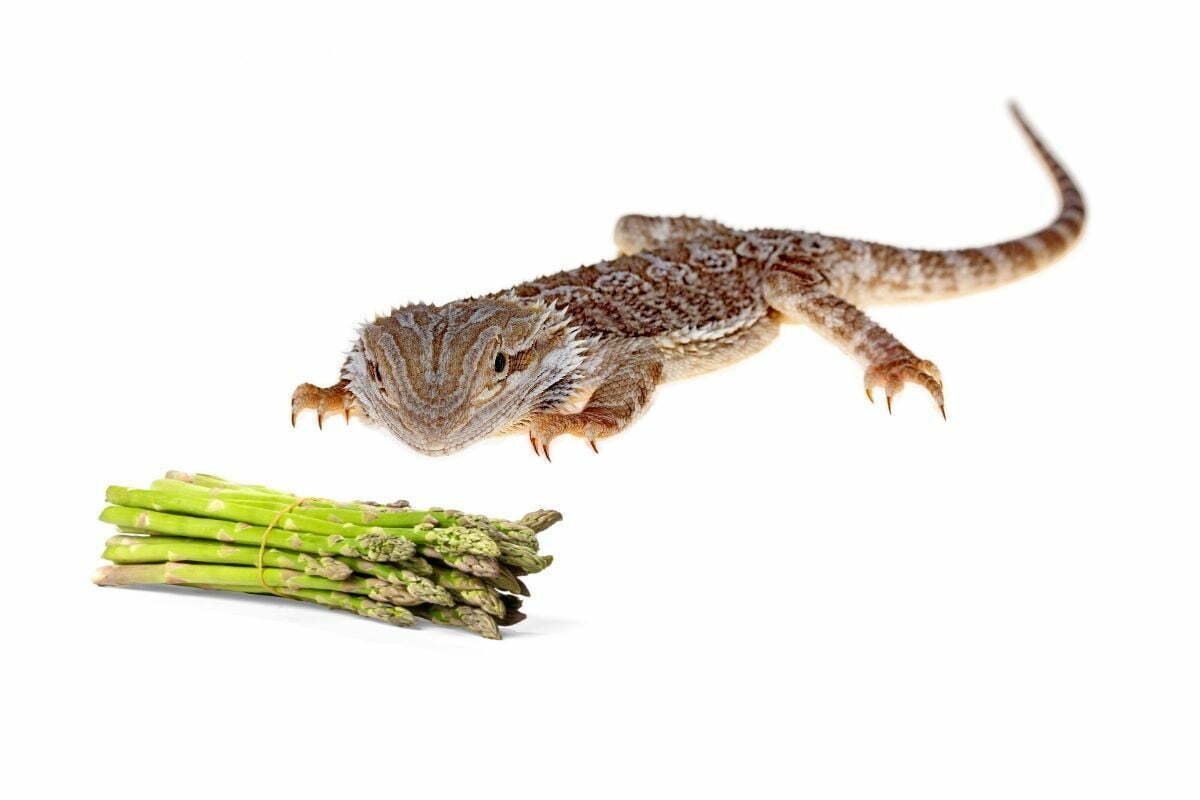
892,376
326,401
589,424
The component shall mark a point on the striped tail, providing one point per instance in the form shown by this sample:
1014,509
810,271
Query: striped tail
893,274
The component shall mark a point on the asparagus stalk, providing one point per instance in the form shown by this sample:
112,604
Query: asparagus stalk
512,610
472,565
158,549
506,581
364,606
456,539
354,513
471,590
173,572
539,520
213,482
418,585
522,557
498,529
373,547
523,531
468,617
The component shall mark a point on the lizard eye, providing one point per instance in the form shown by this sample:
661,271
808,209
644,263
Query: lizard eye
501,362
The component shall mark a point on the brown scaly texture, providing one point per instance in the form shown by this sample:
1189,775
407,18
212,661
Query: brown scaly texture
581,351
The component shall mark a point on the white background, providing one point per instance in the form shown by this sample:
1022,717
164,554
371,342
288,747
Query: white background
767,587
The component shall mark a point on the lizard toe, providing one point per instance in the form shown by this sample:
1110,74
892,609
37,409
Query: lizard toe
892,376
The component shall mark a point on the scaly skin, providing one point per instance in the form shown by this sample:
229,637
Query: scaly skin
581,352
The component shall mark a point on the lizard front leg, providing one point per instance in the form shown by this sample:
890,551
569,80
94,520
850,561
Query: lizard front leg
326,401
612,407
803,292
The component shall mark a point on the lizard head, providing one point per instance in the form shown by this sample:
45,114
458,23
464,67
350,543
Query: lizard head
443,377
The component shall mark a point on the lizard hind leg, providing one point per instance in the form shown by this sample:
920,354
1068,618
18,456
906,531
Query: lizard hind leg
326,401
802,293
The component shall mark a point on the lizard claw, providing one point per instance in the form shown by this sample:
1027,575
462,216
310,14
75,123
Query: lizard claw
325,401
541,447
543,428
893,375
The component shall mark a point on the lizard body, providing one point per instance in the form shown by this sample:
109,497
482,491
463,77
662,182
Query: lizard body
581,351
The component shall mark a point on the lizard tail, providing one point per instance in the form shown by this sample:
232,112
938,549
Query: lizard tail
890,274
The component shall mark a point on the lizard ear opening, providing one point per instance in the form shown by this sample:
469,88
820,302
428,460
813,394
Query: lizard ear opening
501,362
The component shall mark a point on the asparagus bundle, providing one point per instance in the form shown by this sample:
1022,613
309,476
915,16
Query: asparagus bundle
386,561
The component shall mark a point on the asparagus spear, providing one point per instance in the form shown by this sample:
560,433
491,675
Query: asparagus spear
265,492
418,584
539,520
158,549
373,547
472,619
365,606
506,581
173,572
472,565
354,513
512,610
471,590
522,557
498,529
523,531
457,539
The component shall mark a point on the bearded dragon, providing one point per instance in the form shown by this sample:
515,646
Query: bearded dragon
582,351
